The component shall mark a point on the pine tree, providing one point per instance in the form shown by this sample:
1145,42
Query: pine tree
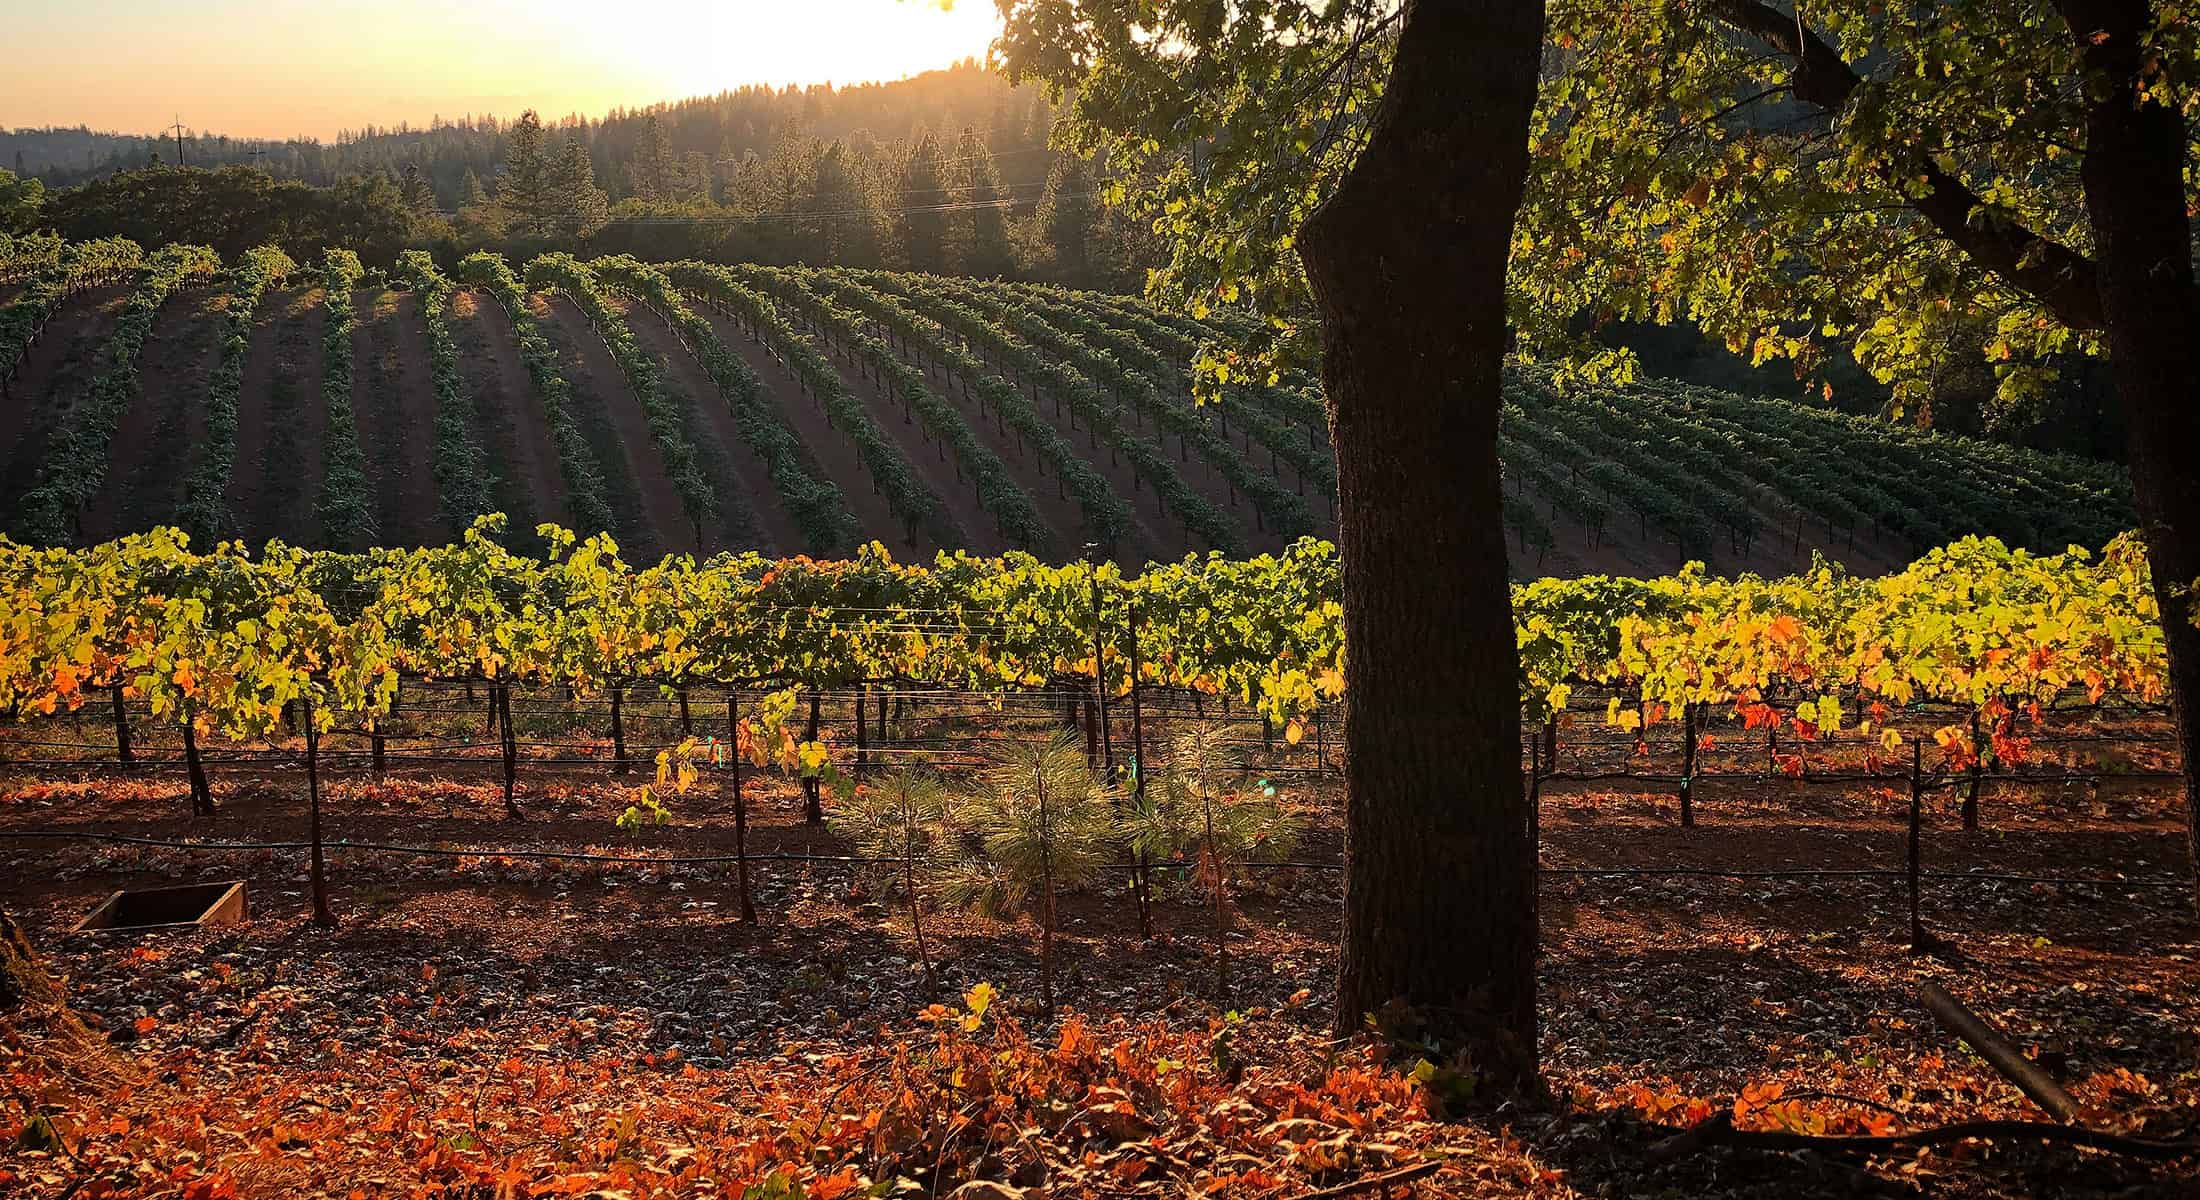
652,168
1042,821
415,191
1067,220
525,186
849,218
899,823
470,192
582,207
1203,806
919,227
984,249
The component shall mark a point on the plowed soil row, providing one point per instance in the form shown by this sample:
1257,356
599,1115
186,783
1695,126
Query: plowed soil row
512,425
155,441
64,361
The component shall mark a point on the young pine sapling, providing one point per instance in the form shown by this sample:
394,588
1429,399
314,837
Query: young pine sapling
1040,821
901,821
1203,806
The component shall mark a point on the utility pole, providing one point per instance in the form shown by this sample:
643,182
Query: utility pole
178,128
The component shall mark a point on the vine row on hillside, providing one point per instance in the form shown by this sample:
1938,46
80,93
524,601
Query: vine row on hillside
584,483
463,482
1100,413
76,458
56,273
890,470
815,503
205,512
1273,505
1016,517
1107,519
346,506
670,419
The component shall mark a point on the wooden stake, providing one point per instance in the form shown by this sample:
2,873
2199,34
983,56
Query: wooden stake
319,870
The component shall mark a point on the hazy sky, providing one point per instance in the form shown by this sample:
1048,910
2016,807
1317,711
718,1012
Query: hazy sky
278,68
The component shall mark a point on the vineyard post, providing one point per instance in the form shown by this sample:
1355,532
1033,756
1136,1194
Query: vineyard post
202,796
319,871
1550,742
1099,668
1321,741
618,731
1917,820
123,753
489,709
1535,798
687,726
740,806
1688,764
1970,795
863,752
510,747
375,740
1139,886
813,811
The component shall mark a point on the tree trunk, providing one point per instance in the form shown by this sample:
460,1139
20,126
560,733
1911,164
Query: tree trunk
23,983
2134,195
1407,262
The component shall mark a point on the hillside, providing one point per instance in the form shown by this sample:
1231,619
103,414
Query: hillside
693,408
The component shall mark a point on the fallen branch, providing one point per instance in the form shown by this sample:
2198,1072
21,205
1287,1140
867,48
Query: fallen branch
1369,1183
1999,1052
1718,1130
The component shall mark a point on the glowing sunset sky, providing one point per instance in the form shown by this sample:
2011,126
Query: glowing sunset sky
279,68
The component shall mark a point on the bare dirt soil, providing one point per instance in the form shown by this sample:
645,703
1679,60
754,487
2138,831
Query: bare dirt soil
1666,997
836,456
740,476
65,361
598,376
281,384
158,438
533,489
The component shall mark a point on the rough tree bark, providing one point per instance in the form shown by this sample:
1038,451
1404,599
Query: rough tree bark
2135,199
1407,262
23,983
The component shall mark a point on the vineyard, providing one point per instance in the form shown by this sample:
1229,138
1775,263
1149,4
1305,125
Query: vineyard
1814,711
733,813
689,407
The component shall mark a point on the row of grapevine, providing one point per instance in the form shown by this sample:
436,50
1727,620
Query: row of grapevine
1273,505
462,477
1106,518
76,454
1688,495
670,420
55,276
25,255
1164,358
346,507
1975,624
889,468
584,483
2047,500
1070,386
205,513
1007,503
815,503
